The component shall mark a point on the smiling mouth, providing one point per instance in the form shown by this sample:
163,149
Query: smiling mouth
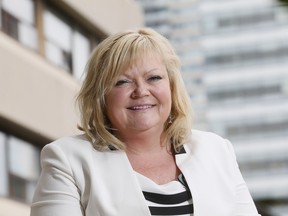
141,107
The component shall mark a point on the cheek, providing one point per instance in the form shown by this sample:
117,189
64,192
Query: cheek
165,94
112,97
111,108
115,99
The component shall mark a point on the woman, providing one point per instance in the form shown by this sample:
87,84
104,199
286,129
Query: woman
138,155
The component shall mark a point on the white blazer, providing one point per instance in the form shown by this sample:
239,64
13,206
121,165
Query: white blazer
77,180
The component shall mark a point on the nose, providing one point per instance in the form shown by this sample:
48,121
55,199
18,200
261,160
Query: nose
140,90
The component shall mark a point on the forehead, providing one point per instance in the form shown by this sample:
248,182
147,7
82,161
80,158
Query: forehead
144,60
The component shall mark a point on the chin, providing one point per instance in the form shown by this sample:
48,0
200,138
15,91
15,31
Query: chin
146,127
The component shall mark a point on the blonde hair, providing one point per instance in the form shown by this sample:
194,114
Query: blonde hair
107,62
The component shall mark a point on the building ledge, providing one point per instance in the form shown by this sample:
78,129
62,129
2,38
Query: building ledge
13,208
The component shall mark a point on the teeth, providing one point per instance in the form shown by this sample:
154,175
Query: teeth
141,107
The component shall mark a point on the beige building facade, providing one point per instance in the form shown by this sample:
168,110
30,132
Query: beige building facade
43,52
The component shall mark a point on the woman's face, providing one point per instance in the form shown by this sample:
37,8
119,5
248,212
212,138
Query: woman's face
141,99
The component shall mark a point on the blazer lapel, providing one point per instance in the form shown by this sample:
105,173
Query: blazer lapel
124,192
204,179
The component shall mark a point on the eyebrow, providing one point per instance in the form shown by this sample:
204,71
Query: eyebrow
146,72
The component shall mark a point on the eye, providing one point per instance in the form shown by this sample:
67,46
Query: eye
122,82
155,78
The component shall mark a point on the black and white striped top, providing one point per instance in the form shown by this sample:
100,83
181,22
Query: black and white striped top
173,198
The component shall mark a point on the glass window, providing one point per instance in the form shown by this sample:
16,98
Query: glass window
3,166
244,92
225,21
57,31
27,35
264,168
24,168
24,10
246,19
64,45
81,52
19,22
257,129
17,187
71,49
23,165
10,25
19,168
247,55
57,56
58,47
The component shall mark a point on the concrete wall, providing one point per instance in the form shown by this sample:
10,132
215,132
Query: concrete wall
110,16
13,208
35,94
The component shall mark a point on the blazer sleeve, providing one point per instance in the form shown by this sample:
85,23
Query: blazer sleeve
56,193
244,204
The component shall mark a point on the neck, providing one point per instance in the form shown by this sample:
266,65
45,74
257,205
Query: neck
153,160
150,150
145,142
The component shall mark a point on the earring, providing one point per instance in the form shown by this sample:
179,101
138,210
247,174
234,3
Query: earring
170,119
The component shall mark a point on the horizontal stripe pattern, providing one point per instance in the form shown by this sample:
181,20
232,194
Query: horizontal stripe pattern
167,199
173,198
176,210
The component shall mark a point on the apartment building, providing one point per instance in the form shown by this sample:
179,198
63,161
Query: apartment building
44,46
234,56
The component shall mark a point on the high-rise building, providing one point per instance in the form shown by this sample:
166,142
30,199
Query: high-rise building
44,46
234,56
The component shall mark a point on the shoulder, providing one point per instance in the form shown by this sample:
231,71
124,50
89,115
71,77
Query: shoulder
211,151
70,144
205,137
67,149
209,143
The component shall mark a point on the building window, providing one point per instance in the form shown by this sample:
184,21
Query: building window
266,166
24,168
247,56
258,129
19,168
68,50
19,22
40,26
246,19
80,53
10,25
3,166
219,95
57,45
226,21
